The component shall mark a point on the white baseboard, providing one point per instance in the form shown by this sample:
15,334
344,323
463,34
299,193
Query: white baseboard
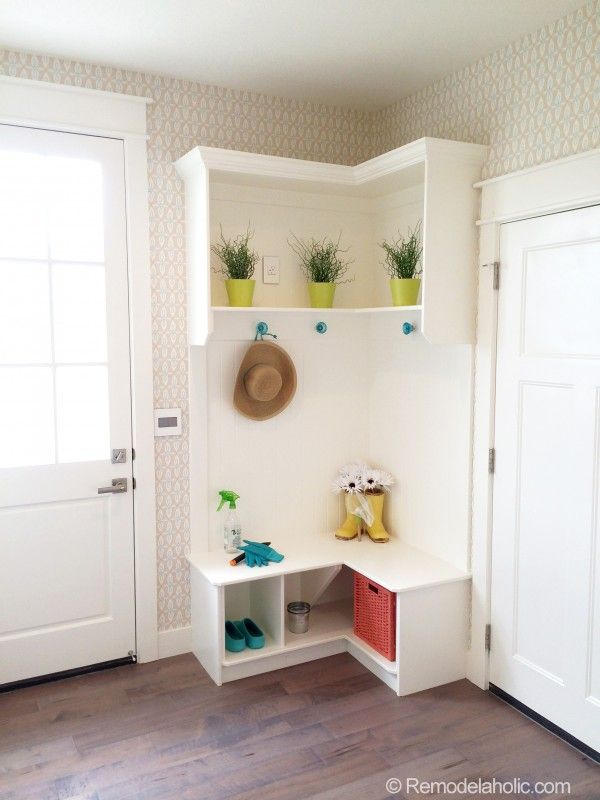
174,642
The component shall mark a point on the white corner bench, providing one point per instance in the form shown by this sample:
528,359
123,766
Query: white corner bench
431,610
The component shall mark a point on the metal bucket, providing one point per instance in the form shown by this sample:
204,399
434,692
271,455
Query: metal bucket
297,616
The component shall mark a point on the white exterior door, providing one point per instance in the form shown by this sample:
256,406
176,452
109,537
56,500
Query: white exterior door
545,648
66,551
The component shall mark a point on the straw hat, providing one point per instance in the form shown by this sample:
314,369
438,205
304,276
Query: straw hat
266,381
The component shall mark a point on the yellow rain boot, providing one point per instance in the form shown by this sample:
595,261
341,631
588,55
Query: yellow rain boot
349,530
377,533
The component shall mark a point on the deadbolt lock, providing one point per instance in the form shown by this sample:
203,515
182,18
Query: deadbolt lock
119,456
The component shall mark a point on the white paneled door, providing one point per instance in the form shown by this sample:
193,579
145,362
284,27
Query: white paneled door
66,550
545,644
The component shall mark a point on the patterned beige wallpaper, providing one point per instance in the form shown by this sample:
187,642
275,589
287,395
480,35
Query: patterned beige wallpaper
533,101
182,115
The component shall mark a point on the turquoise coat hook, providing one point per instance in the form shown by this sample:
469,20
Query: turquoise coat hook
407,328
321,327
262,330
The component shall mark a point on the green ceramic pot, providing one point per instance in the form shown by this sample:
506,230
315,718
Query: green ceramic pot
240,291
405,291
321,294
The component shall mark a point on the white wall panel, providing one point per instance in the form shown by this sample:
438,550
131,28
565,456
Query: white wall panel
283,467
50,538
274,216
543,520
562,287
419,430
365,390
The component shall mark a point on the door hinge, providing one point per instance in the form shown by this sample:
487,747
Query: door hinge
492,460
495,265
488,637
134,484
133,453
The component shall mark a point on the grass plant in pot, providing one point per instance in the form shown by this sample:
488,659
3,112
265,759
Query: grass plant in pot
402,261
324,267
237,267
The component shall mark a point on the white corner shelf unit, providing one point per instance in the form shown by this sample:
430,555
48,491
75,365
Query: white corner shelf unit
365,390
429,181
431,611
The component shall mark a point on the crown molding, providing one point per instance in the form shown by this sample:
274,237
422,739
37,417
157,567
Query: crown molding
293,170
71,108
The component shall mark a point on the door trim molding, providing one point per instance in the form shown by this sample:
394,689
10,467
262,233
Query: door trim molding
554,187
73,109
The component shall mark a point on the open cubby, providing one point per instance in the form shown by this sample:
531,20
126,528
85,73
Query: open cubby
330,593
262,602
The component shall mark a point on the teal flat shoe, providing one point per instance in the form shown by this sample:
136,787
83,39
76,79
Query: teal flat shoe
254,637
234,638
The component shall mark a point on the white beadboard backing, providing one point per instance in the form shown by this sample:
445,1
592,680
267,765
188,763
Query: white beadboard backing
274,217
283,467
419,430
365,390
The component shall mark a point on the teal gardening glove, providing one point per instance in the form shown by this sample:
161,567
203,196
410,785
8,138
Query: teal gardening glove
252,560
258,554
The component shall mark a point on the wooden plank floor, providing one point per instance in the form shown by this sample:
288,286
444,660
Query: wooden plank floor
326,730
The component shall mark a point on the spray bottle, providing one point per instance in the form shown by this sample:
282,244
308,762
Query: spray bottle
232,529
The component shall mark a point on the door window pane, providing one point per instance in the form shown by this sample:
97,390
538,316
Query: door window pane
24,313
79,312
54,403
23,221
82,413
26,416
76,214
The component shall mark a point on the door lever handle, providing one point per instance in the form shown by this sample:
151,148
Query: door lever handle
118,486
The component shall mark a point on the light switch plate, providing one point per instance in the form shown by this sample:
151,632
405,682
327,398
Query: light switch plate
270,269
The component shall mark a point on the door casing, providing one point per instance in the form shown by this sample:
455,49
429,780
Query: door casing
70,109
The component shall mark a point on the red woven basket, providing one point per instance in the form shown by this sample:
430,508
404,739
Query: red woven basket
375,616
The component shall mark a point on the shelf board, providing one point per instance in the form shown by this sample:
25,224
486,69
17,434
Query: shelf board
327,622
320,311
271,647
271,309
384,663
386,309
396,566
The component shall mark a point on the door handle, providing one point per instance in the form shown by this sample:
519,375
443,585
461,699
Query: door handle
117,486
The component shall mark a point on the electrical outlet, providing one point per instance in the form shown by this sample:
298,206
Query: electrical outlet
270,269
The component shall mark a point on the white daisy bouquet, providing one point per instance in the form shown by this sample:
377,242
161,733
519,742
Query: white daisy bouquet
360,478
361,484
